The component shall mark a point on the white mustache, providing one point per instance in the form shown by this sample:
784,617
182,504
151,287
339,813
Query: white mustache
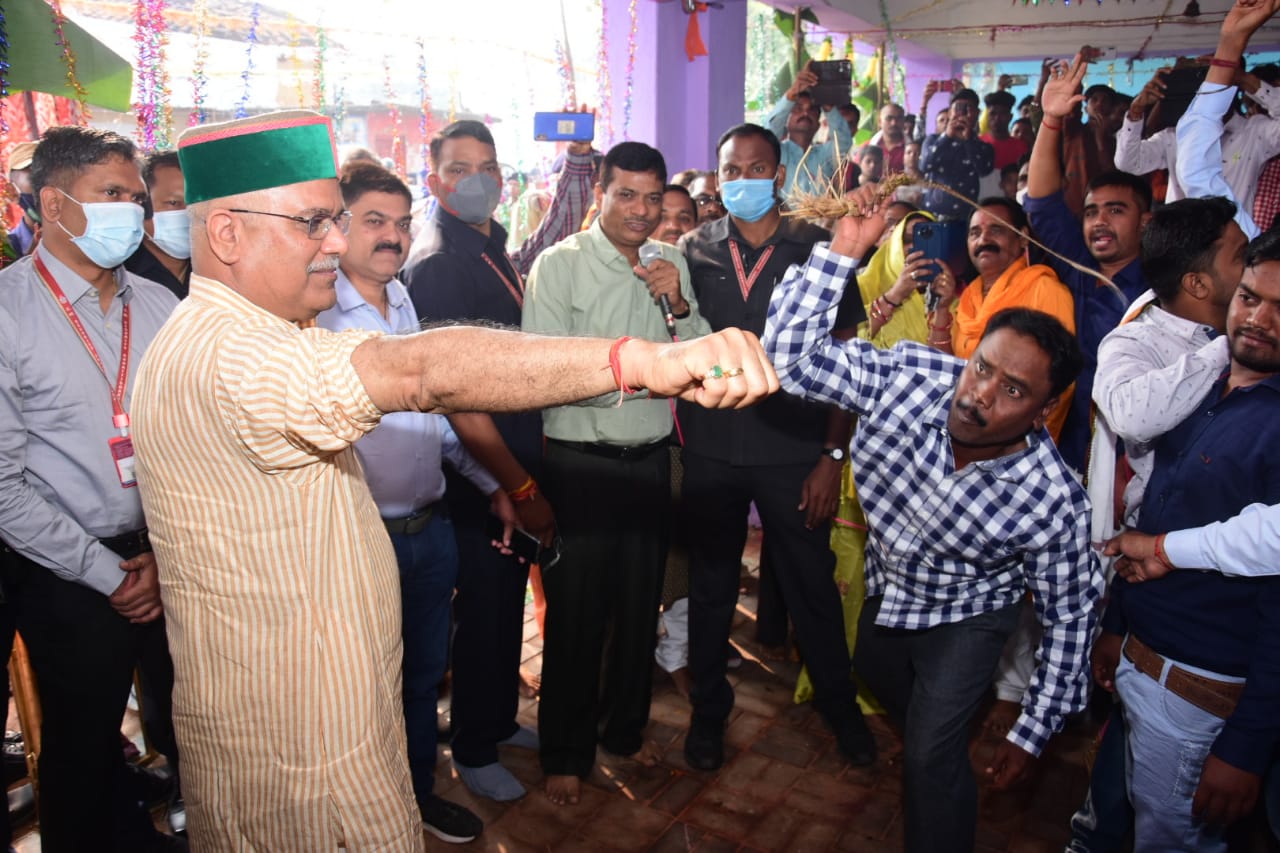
329,264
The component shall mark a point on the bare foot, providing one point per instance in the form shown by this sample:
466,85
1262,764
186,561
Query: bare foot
530,684
649,754
563,790
1001,718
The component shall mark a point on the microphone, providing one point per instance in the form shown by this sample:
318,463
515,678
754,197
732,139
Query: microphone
650,252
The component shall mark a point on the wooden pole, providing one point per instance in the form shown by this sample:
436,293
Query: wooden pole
797,41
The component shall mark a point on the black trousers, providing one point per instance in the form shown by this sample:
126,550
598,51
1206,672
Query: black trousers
488,613
602,603
931,682
83,655
717,496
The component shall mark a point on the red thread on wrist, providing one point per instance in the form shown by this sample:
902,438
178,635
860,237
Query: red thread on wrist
1223,63
615,364
527,491
1046,123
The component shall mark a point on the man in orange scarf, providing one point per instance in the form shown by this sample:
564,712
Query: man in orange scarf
1005,280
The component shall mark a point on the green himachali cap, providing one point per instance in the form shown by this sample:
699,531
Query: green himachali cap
249,154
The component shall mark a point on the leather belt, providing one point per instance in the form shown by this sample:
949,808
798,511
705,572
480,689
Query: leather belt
411,525
612,451
1208,694
128,545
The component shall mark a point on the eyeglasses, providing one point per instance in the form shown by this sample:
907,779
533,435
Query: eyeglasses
708,200
317,226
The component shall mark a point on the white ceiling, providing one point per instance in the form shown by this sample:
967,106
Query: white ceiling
962,29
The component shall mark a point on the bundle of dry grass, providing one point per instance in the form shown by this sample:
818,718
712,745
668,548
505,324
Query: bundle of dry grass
832,204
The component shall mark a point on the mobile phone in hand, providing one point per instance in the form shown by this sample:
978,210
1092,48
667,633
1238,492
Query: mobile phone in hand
524,544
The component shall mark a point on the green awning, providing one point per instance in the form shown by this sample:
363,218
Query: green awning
35,59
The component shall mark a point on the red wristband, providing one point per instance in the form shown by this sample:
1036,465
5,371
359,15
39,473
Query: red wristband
526,491
615,364
1223,63
1046,123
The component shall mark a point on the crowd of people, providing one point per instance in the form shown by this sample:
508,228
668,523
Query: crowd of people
223,437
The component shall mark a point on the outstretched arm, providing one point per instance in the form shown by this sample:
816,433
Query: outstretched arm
466,368
1247,544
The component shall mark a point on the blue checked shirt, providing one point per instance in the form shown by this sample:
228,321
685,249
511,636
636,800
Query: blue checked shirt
944,545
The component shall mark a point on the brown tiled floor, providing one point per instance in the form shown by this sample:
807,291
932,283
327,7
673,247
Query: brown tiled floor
783,786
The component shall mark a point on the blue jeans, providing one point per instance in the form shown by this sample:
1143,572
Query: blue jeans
1104,819
428,563
931,682
1169,740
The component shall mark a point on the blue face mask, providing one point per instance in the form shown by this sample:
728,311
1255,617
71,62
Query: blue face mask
748,199
112,231
173,233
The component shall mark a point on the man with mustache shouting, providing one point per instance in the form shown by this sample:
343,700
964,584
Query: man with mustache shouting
1108,238
968,506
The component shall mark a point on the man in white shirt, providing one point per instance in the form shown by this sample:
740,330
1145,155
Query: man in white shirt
1226,159
1153,371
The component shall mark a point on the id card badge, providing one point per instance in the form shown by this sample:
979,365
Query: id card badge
122,452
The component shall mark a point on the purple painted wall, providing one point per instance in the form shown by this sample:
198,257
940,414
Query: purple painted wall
682,107
679,107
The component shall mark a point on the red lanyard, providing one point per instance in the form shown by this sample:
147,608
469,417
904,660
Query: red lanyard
118,416
517,292
745,281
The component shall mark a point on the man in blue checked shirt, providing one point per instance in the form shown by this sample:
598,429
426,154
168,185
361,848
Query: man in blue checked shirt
968,505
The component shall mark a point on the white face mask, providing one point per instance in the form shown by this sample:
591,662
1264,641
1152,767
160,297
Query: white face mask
173,233
112,231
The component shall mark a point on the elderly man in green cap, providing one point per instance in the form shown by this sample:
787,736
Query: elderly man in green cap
277,574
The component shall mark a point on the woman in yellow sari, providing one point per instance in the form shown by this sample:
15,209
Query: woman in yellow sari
895,309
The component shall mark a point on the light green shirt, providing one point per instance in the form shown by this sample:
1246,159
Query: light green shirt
583,286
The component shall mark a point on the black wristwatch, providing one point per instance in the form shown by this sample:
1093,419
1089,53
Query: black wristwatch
836,453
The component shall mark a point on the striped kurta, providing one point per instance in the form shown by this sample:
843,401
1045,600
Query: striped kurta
279,583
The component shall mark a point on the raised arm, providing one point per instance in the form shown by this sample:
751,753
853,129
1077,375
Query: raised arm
1200,129
1136,155
568,206
1060,95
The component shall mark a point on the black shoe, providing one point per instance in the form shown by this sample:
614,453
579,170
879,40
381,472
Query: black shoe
704,744
449,821
153,786
855,740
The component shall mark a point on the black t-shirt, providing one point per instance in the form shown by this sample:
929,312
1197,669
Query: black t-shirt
143,263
